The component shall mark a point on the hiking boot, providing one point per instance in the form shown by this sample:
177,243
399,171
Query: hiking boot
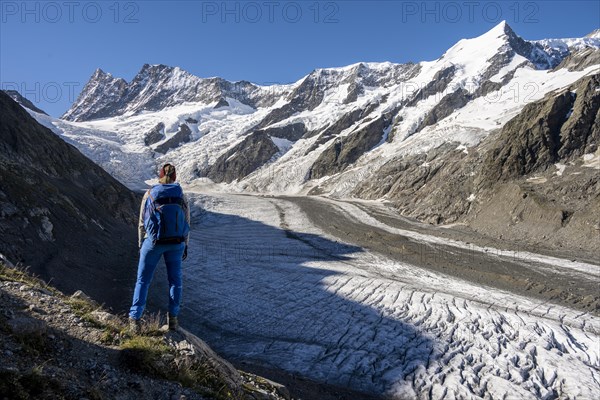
134,326
173,322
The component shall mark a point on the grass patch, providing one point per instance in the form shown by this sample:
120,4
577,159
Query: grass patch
81,307
89,318
146,355
152,356
202,378
116,333
22,275
151,325
111,336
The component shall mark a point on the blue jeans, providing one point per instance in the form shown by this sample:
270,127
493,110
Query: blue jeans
149,257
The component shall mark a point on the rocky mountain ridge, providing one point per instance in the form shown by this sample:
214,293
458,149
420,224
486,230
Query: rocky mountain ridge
156,87
327,104
16,96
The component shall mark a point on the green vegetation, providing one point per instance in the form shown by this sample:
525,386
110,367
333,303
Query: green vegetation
19,274
152,356
81,307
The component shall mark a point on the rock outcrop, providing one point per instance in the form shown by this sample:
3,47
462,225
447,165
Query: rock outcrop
183,135
243,159
447,105
291,132
559,127
155,135
348,149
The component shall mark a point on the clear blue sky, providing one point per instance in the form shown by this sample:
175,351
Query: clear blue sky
49,49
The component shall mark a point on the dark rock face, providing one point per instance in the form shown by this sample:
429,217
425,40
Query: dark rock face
555,128
16,96
340,125
243,159
580,134
62,214
345,151
530,141
183,135
531,51
155,135
488,86
101,97
580,60
438,84
191,120
221,103
291,132
307,96
447,105
354,91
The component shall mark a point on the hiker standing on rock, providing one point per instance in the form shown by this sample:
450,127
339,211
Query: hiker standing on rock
164,227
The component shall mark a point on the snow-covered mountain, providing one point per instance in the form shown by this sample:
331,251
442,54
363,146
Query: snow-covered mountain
471,90
154,88
337,130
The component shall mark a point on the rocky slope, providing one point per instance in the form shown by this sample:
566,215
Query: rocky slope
534,181
61,213
55,346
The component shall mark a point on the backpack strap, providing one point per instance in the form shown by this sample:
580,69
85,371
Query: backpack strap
150,195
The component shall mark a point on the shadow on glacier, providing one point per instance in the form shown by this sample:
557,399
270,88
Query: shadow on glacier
258,293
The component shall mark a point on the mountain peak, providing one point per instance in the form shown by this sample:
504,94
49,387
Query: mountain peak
100,76
503,27
499,30
594,35
152,68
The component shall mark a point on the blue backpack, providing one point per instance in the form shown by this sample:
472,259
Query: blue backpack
164,216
